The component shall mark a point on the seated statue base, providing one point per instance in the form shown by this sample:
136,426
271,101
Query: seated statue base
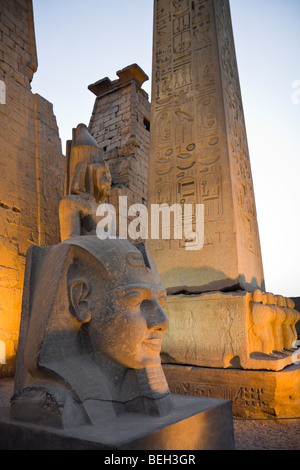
194,424
255,394
239,330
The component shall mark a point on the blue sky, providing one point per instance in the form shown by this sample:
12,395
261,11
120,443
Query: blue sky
79,43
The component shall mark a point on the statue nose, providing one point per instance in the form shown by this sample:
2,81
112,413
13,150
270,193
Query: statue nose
155,315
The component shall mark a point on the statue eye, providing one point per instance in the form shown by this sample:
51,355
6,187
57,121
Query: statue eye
162,299
133,298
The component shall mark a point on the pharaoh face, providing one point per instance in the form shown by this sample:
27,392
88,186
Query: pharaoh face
131,330
103,177
94,178
115,302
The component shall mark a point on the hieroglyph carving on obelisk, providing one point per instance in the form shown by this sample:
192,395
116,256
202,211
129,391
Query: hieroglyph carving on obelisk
199,151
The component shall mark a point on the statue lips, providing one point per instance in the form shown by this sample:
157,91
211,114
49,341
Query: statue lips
153,343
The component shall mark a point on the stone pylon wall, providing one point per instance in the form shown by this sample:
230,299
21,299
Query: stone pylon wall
120,123
31,168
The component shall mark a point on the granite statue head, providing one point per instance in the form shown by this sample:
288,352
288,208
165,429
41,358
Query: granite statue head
93,323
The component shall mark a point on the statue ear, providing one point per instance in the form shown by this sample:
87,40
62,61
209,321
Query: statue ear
78,292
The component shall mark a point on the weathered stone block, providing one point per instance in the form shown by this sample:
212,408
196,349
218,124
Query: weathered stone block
195,424
231,330
117,124
254,394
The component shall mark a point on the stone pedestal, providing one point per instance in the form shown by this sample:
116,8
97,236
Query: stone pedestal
195,424
254,394
231,330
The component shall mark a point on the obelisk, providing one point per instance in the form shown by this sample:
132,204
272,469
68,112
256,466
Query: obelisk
218,343
199,151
